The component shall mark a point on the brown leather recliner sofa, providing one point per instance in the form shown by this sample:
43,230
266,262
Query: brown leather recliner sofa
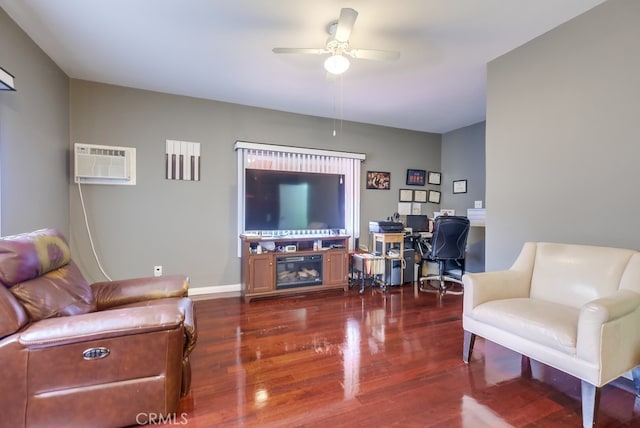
72,354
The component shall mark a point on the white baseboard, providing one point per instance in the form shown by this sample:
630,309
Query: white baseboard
212,289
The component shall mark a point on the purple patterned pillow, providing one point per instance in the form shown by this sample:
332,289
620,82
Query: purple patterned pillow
30,255
37,269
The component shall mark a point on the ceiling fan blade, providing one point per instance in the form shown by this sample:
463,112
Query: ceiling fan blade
316,51
373,54
345,24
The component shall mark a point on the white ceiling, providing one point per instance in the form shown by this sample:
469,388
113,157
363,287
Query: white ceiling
221,50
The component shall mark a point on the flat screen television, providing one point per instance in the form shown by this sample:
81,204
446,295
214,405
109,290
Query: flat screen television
284,200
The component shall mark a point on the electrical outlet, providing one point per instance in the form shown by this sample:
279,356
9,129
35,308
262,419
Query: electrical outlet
157,271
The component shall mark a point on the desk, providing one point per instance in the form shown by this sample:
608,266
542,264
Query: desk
418,241
475,248
390,239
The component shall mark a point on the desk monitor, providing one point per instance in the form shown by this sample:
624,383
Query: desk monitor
418,223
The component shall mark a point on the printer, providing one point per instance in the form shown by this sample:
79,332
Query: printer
385,227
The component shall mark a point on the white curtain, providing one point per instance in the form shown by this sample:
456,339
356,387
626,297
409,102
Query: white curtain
284,158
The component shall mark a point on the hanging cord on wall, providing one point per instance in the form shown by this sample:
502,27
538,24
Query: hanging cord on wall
86,222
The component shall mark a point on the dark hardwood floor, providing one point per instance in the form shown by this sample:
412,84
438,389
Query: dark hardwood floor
383,359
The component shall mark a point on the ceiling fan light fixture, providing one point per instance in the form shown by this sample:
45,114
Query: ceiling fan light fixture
336,64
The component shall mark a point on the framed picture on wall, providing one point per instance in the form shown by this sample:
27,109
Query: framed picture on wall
378,180
434,196
434,177
419,196
406,195
460,186
416,177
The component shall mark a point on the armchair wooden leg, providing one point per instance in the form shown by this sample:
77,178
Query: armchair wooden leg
467,347
525,367
590,402
636,379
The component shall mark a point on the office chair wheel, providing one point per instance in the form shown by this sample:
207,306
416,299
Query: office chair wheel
455,289
426,287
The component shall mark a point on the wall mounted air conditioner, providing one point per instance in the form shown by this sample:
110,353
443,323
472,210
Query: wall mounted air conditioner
95,164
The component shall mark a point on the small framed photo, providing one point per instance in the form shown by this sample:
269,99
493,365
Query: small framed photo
419,196
406,195
416,177
434,177
460,186
378,180
434,196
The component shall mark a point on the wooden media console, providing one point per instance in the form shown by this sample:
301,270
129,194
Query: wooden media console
274,266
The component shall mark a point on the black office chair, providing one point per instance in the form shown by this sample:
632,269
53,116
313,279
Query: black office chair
447,248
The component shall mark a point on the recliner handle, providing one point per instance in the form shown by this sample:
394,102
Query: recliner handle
96,353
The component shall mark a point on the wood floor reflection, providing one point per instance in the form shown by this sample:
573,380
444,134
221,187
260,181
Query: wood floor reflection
383,359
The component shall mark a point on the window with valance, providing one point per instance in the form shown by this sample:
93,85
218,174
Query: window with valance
299,159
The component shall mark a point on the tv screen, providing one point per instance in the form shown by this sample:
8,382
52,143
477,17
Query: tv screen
283,200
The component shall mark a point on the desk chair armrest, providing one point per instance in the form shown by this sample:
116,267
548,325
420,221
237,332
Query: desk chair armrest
110,294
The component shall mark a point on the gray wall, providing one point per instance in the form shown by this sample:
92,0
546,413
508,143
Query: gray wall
463,158
191,227
562,136
34,137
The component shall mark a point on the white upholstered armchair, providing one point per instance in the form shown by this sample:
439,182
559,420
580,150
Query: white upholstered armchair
573,307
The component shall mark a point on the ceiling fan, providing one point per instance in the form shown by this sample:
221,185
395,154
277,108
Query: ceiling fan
338,45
